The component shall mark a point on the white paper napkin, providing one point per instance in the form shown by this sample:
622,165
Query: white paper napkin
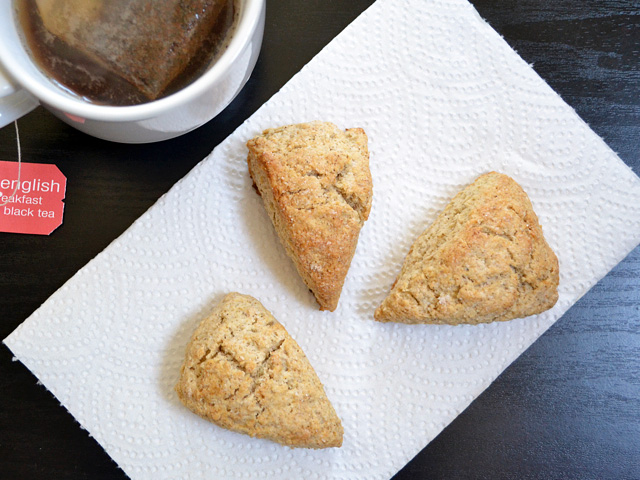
443,99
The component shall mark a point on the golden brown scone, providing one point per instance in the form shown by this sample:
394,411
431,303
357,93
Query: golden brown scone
243,372
484,259
316,186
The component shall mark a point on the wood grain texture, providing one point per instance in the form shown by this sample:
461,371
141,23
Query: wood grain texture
568,408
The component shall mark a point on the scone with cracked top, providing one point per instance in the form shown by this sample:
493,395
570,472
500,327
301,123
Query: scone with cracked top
316,186
244,372
484,259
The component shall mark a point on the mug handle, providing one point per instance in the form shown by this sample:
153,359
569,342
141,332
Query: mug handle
14,102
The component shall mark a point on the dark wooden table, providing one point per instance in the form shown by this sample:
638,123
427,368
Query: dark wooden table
569,408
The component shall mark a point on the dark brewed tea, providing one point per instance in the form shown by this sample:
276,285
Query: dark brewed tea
125,52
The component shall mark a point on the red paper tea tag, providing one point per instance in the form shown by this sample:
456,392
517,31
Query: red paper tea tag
32,203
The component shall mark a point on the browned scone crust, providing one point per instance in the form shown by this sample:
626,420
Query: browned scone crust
316,186
484,259
244,372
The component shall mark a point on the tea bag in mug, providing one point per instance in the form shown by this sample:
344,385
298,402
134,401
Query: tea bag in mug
146,42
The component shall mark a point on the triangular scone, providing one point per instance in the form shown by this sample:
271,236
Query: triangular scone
243,372
315,182
484,259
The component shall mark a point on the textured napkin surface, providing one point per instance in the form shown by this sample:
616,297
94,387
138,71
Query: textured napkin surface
443,99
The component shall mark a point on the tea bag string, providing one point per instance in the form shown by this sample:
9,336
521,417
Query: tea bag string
15,190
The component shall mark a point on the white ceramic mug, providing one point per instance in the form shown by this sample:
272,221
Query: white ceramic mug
23,86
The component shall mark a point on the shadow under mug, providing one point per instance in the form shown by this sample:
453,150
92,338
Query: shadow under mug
23,86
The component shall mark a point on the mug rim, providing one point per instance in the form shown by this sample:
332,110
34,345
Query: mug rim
242,34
